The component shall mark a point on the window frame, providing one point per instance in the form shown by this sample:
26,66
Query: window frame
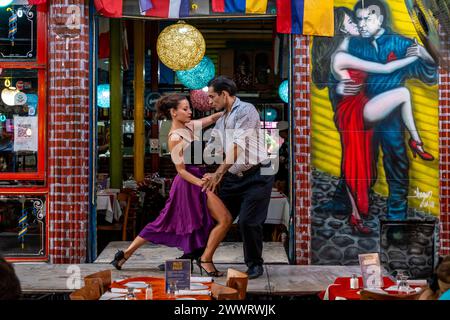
40,65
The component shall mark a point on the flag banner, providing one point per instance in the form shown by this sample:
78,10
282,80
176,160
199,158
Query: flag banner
169,9
218,5
318,18
145,5
199,7
235,6
109,8
34,2
309,17
256,6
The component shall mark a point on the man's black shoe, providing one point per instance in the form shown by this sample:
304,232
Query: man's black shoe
255,271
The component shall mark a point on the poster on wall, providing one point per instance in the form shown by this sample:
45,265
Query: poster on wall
375,134
17,31
25,133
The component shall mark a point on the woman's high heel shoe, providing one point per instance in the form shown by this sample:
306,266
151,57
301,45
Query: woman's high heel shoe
414,145
215,273
358,225
119,256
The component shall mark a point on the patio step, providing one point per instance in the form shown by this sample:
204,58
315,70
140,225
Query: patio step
227,253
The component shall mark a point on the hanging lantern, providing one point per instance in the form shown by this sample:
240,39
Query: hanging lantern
199,76
271,114
8,96
200,100
283,91
180,46
103,92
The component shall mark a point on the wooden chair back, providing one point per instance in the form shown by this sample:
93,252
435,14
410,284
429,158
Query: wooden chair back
220,292
237,280
103,278
370,295
124,200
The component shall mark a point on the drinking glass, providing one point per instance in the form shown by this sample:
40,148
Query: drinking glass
403,286
130,294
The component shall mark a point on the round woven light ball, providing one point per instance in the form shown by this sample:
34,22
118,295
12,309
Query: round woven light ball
200,100
199,76
180,46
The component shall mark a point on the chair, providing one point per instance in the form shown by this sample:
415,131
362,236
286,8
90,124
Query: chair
102,278
88,292
237,280
132,211
370,295
220,292
124,200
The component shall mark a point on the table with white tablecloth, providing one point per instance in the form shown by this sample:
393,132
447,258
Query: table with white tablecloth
277,213
107,200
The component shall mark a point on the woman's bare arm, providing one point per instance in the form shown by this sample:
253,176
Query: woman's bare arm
176,152
343,61
206,121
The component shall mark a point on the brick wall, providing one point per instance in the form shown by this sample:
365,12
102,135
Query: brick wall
68,132
302,109
444,160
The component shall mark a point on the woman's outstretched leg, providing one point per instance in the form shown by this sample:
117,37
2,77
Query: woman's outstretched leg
381,106
136,244
223,218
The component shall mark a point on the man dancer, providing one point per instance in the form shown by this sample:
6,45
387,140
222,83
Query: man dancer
244,177
380,44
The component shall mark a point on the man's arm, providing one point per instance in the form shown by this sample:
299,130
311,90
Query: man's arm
212,180
424,69
247,119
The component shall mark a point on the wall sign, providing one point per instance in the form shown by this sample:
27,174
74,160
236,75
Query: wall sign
18,32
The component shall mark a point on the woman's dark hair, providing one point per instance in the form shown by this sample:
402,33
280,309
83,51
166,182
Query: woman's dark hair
222,83
324,47
164,104
443,272
9,283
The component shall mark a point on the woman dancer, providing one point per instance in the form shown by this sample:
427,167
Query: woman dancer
186,221
356,115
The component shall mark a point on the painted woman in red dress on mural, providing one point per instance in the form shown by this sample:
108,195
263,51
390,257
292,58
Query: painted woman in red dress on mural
356,115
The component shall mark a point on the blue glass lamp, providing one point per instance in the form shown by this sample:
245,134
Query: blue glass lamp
103,91
199,76
271,114
283,91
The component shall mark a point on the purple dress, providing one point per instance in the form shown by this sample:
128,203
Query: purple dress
185,221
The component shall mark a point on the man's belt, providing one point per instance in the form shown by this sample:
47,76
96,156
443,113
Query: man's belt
250,171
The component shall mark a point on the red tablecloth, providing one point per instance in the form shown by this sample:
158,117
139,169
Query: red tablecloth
158,286
341,288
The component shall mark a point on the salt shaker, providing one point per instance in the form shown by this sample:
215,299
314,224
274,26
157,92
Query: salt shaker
354,282
149,292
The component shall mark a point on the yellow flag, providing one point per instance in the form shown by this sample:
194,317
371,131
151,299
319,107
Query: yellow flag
318,18
255,6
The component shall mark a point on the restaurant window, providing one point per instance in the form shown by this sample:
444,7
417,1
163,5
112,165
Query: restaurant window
22,94
23,225
23,73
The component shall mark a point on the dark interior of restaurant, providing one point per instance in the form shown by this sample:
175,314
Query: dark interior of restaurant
248,51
